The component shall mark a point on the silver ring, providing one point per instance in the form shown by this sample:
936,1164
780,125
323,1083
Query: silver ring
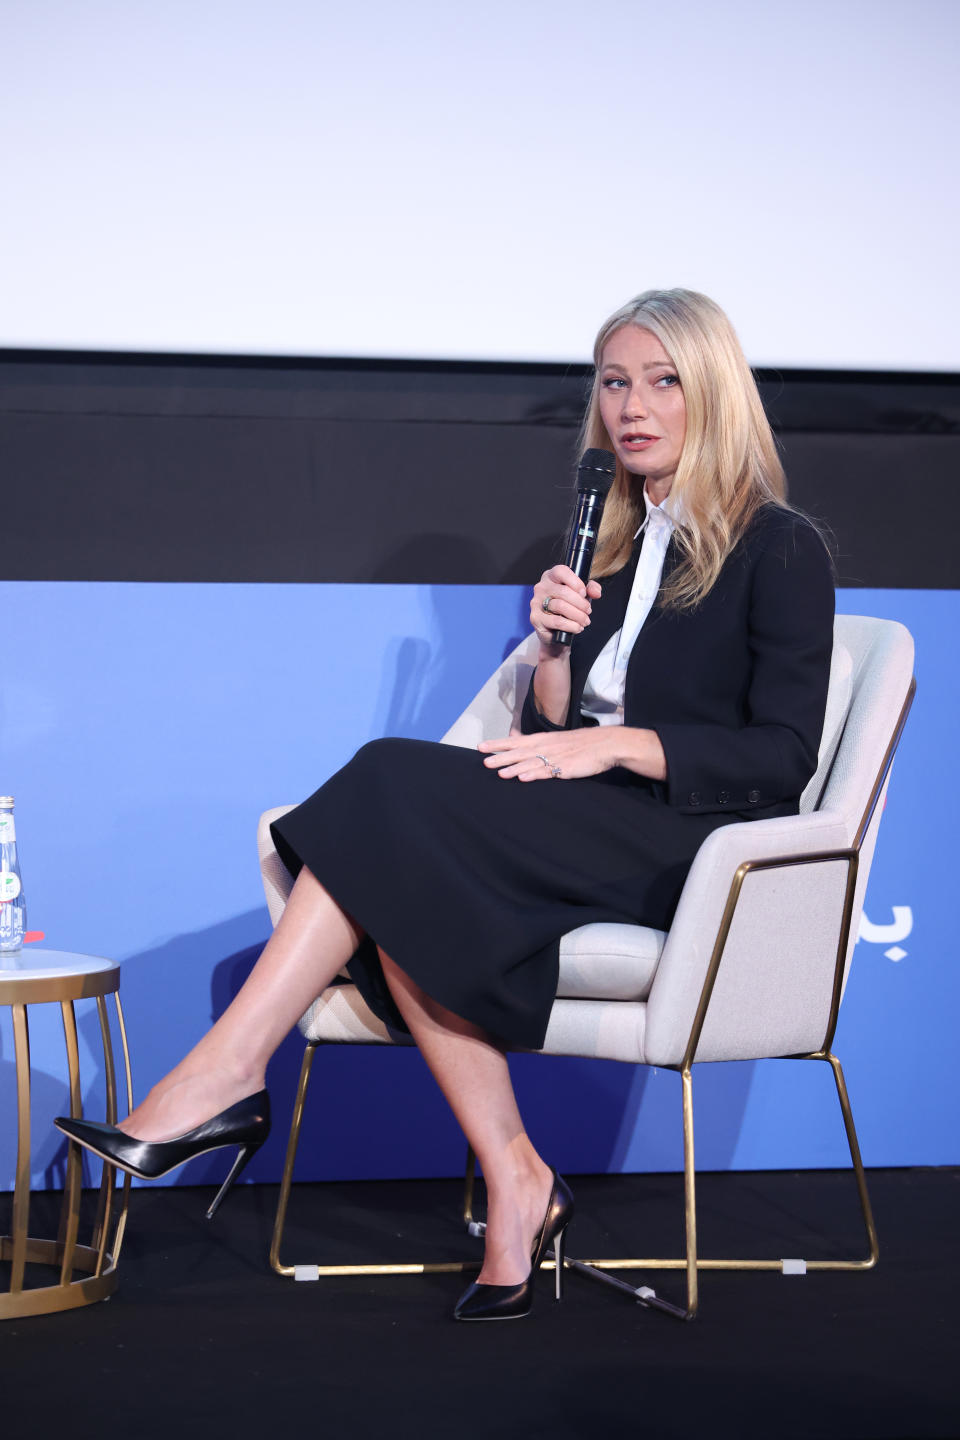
545,761
545,604
555,771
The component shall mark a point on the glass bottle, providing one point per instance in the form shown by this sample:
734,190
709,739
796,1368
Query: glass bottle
13,905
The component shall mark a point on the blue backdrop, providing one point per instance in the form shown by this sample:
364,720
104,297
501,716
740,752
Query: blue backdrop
144,727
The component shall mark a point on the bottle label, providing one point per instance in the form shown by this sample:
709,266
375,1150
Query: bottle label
8,830
9,886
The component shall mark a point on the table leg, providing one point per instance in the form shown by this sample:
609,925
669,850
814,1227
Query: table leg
21,1190
108,1177
70,1211
128,1078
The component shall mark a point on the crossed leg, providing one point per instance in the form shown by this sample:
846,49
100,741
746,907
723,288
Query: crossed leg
472,1072
311,943
313,940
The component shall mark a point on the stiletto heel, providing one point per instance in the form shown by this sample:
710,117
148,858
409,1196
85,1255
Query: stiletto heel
511,1302
559,1245
246,1124
245,1153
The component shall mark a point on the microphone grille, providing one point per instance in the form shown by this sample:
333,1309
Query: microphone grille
597,470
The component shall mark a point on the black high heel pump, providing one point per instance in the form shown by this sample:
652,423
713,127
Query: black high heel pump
246,1124
511,1302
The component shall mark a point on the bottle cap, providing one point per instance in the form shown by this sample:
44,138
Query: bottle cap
6,802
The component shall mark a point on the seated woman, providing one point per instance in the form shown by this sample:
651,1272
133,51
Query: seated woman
693,695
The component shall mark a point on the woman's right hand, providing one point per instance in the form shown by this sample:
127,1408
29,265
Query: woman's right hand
569,607
569,600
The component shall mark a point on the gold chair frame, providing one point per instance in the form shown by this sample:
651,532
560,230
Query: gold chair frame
690,1262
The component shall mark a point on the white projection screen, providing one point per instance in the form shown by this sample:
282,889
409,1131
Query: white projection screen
439,181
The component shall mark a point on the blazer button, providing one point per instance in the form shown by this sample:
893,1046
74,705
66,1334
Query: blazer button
723,797
753,796
694,797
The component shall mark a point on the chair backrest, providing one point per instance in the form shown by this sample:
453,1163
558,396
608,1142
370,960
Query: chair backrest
882,655
881,662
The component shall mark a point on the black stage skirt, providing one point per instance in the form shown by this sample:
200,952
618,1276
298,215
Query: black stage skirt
468,881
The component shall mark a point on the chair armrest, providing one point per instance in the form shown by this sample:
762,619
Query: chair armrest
775,982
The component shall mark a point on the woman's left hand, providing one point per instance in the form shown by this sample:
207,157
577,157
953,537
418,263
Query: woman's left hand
553,755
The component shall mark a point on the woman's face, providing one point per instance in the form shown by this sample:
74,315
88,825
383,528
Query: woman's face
642,406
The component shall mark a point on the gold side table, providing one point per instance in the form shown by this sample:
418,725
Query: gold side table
41,977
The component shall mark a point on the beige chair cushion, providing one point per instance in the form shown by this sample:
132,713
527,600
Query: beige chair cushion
609,962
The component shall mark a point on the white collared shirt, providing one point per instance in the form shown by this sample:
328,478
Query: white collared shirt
603,692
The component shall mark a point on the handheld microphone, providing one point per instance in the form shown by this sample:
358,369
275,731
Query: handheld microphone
595,475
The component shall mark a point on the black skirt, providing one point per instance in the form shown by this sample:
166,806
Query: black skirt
468,881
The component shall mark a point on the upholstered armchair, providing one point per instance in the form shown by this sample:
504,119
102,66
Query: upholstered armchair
753,966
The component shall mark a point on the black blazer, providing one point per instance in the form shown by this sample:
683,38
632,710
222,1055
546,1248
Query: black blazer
737,688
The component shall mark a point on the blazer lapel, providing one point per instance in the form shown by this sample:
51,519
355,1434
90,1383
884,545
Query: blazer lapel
606,619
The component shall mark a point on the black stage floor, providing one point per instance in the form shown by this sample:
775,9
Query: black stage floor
202,1339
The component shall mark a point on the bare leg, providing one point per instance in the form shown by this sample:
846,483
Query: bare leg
312,941
472,1072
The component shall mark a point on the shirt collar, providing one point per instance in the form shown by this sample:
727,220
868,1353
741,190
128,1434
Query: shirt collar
669,512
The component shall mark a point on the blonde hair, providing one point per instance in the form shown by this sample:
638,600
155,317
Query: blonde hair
728,468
